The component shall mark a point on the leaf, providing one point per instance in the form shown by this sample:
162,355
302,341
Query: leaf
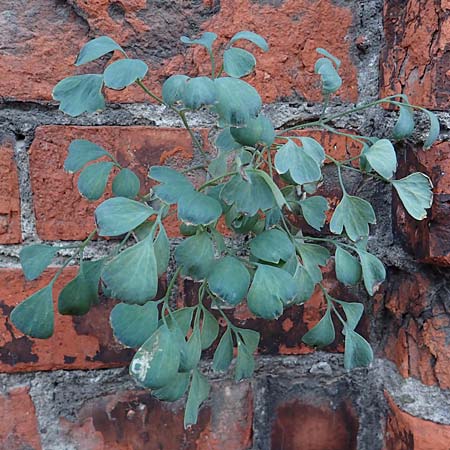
272,246
354,214
229,280
245,363
238,62
277,194
126,184
257,131
271,289
331,81
313,149
97,48
35,259
198,393
162,251
132,325
209,330
119,215
313,256
224,353
252,37
34,316
198,92
250,338
175,389
237,101
336,61
77,297
173,88
322,334
195,255
373,271
93,179
358,352
301,166
81,152
206,40
405,123
415,192
195,208
353,312
79,94
132,276
173,184
183,319
347,267
225,141
248,195
124,72
313,210
382,158
156,363
304,284
434,129
193,351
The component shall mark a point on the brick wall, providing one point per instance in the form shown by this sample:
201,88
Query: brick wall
57,395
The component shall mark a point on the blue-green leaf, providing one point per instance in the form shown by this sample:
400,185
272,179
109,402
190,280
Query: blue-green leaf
252,37
132,325
126,184
173,184
382,158
322,334
34,316
206,40
162,251
336,61
224,353
175,389
272,246
97,48
119,215
373,271
198,393
198,92
238,62
304,284
313,256
313,210
93,179
79,94
405,123
132,275
229,280
256,131
35,259
353,312
195,208
173,88
124,72
358,352
81,152
331,81
245,363
209,330
434,129
347,267
225,141
415,192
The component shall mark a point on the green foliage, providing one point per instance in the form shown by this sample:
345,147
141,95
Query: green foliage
254,186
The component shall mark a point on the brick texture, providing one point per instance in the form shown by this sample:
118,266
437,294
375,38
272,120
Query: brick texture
10,230
416,54
61,212
48,35
406,432
84,342
18,424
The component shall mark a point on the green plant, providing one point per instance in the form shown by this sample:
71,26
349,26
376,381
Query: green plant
258,180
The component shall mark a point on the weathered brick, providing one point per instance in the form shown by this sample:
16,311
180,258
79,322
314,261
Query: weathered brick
429,239
416,54
61,212
417,327
84,342
10,230
134,419
317,425
50,34
18,424
406,432
283,336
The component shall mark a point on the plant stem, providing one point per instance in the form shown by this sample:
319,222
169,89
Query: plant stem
215,180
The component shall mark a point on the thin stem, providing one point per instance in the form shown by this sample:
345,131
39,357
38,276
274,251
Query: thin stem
325,106
191,133
150,93
341,181
215,180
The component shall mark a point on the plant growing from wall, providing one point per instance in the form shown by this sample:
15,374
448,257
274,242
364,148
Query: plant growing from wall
257,182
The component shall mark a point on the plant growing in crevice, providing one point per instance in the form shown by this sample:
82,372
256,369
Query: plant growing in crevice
256,183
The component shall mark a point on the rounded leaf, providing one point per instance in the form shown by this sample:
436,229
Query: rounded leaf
124,72
126,184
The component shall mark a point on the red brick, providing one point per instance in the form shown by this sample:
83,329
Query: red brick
10,230
134,419
406,432
18,424
416,55
284,335
49,36
61,212
319,425
418,329
84,342
429,239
